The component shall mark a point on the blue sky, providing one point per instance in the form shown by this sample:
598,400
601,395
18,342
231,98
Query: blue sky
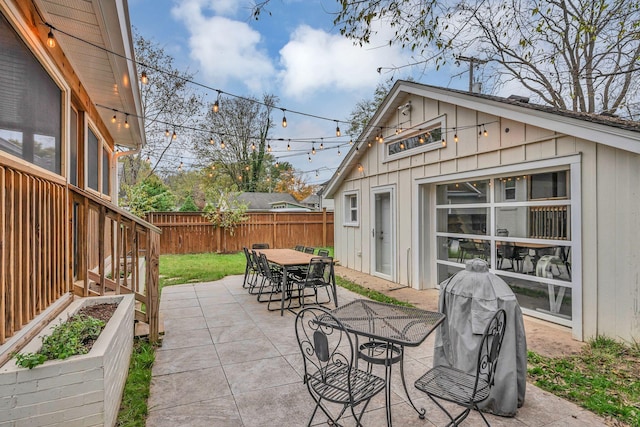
295,53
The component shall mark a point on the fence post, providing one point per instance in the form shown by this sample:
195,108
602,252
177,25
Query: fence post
324,227
275,228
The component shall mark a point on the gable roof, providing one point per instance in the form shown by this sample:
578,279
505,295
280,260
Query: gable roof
265,201
611,131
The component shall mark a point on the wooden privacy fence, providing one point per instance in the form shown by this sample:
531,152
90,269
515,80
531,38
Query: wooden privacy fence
190,232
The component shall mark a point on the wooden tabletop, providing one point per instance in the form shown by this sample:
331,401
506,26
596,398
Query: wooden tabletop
286,257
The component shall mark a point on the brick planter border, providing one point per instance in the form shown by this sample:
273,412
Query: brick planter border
82,390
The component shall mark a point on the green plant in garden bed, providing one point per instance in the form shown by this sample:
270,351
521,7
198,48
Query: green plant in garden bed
602,378
67,339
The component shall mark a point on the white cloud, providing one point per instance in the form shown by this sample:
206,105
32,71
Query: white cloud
226,50
316,60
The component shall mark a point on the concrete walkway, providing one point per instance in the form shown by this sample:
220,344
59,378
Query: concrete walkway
227,361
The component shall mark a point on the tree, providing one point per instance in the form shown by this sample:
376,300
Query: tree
170,105
579,55
227,212
238,144
366,108
293,184
188,205
148,196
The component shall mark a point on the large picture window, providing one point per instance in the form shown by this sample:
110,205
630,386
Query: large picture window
30,104
521,226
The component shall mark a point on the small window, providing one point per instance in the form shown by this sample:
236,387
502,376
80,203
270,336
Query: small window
351,209
98,170
510,189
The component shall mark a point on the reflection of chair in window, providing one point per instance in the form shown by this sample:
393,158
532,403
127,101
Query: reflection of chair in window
471,249
467,389
510,252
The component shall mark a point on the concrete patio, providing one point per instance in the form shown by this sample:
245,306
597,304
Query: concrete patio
227,361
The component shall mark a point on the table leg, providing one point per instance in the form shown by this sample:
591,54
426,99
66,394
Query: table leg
284,288
387,384
421,412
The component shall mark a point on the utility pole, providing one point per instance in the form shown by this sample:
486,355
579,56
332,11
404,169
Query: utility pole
472,62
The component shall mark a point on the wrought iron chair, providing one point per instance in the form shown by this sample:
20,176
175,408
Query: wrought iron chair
260,246
309,250
319,274
250,270
465,389
299,248
323,252
330,369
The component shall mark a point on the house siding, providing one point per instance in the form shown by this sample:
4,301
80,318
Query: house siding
609,203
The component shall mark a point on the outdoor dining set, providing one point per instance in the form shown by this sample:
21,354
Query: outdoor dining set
341,347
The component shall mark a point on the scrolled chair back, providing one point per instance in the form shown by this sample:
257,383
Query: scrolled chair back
324,343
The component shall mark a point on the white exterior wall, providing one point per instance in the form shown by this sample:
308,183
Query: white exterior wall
609,204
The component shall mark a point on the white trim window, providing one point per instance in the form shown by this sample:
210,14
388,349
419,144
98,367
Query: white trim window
98,163
429,136
351,209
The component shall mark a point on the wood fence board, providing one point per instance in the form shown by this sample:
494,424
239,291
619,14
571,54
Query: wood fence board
190,232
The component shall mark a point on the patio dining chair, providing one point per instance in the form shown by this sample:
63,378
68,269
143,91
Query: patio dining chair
299,248
260,246
250,270
330,371
319,275
323,252
271,278
309,250
467,389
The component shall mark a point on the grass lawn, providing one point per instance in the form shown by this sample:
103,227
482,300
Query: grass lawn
604,378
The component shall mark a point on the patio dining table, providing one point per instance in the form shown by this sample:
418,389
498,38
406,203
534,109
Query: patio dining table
287,259
389,329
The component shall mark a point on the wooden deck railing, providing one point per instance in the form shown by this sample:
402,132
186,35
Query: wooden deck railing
33,247
115,252
549,222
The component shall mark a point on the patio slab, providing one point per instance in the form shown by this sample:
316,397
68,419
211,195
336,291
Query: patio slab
227,361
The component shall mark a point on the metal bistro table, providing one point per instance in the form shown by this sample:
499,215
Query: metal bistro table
389,328
286,259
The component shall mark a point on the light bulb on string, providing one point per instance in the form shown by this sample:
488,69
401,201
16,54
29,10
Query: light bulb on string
216,106
455,135
284,119
148,159
485,133
51,41
126,122
369,144
213,167
313,149
143,78
174,136
166,132
211,141
339,153
338,133
309,155
269,148
421,139
322,144
402,145
221,143
180,167
444,142
351,141
317,173
113,119
288,146
277,164
246,168
253,146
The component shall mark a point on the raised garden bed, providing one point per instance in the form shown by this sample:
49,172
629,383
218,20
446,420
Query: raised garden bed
81,390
